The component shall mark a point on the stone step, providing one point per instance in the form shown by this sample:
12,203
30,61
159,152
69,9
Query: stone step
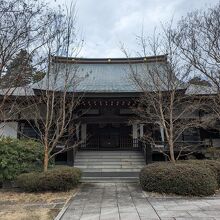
109,179
106,170
109,166
105,163
109,161
110,174
109,152
108,156
100,161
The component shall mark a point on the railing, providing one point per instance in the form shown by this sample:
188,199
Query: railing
92,143
136,143
159,146
111,142
147,151
126,142
178,145
74,147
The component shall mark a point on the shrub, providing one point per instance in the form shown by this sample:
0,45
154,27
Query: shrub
19,156
57,179
211,164
179,178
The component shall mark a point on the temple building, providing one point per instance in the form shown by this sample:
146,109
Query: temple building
104,119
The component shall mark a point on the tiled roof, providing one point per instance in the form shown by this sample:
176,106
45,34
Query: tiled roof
98,75
200,90
19,91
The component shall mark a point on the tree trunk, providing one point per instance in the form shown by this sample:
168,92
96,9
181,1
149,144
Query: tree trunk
172,157
46,159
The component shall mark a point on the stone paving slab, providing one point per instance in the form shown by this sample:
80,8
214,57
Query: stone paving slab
127,201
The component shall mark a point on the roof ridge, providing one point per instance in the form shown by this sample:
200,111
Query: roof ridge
148,59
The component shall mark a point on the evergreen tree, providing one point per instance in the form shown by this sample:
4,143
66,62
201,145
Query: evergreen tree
20,70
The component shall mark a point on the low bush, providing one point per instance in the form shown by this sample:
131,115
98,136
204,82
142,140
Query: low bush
214,165
19,156
57,179
180,178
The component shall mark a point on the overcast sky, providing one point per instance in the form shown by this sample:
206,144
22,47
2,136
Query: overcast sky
105,23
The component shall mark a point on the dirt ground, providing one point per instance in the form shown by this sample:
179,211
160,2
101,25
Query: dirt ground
24,214
15,205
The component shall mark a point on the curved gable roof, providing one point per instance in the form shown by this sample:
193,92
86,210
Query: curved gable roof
97,75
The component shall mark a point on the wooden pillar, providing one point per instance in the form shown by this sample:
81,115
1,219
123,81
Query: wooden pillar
135,134
141,130
135,130
83,134
77,131
162,133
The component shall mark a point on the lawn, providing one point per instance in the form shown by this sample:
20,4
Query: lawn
15,205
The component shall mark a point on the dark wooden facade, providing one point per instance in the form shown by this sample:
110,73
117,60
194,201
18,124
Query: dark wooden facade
105,119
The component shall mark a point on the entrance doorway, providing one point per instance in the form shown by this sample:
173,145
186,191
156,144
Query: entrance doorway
109,136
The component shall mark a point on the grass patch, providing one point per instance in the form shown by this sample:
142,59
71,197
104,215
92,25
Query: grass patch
25,214
16,205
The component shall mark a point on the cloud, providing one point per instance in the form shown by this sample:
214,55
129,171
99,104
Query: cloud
106,23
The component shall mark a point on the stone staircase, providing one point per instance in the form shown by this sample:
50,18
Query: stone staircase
118,166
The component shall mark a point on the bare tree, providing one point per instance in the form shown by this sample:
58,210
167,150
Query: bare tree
197,36
22,23
164,102
53,108
44,33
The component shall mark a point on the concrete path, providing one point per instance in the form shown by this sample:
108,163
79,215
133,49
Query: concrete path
126,201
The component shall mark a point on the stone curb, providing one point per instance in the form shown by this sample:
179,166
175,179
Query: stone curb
65,207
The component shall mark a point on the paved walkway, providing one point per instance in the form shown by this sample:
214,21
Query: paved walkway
124,201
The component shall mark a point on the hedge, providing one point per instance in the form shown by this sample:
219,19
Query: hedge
19,156
57,179
214,165
181,178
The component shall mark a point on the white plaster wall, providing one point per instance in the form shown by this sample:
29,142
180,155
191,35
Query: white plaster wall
9,129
